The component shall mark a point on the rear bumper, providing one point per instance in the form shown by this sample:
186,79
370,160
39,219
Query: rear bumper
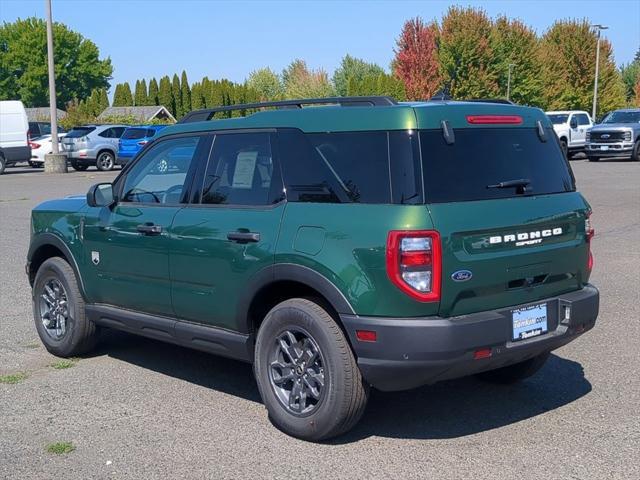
81,156
411,352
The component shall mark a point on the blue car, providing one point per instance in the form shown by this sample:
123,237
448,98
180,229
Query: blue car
133,139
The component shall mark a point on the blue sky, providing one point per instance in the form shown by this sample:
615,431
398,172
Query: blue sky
151,38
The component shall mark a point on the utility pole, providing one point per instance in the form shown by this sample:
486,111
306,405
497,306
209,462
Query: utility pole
54,162
511,65
595,83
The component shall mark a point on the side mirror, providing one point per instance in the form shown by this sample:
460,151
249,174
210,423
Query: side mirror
100,195
573,123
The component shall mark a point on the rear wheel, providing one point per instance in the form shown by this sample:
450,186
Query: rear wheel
105,161
2,164
516,372
59,310
306,373
34,164
594,159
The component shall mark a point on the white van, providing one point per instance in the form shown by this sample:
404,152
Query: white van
14,128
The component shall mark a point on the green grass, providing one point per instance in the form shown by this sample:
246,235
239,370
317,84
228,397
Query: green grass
60,448
13,378
66,363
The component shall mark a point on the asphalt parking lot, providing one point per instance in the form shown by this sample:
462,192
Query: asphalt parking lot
138,408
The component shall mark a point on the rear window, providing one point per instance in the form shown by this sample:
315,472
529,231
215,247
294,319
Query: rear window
484,157
135,133
558,118
80,132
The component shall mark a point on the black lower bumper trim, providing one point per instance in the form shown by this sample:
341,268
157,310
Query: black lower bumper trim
411,352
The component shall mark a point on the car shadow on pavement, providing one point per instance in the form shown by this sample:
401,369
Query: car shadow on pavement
449,409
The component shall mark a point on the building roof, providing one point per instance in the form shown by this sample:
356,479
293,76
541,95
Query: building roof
141,114
43,114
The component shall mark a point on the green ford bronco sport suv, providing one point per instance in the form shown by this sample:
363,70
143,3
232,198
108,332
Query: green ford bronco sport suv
337,244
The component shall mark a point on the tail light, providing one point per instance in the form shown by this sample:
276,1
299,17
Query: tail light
414,263
142,143
494,119
589,232
34,145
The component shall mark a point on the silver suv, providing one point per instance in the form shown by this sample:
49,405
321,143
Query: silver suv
93,145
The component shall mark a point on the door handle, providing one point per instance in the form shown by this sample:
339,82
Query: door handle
149,229
243,237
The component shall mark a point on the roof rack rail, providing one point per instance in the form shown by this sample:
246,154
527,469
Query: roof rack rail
503,101
373,101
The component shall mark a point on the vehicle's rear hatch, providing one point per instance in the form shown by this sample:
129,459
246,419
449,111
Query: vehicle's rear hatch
73,137
503,246
133,140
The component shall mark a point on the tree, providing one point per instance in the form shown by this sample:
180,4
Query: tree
185,94
153,92
266,83
300,82
466,58
512,42
103,99
122,96
636,101
568,52
23,63
176,108
353,68
197,100
630,76
416,62
165,95
140,96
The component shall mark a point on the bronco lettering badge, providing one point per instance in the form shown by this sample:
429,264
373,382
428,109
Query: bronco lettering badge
526,238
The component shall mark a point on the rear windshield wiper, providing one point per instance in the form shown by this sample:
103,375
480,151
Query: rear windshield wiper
520,183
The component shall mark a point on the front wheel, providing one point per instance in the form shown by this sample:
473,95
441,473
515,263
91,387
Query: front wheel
306,373
79,167
635,155
516,372
105,161
59,310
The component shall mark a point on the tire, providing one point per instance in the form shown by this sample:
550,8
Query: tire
105,161
594,159
635,154
564,147
516,372
76,335
79,167
2,164
339,401
34,165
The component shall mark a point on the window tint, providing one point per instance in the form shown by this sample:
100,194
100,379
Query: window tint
487,156
118,131
151,132
241,171
558,118
107,133
78,132
406,175
583,119
134,133
159,176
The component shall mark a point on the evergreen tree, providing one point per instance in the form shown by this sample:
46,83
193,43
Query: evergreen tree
185,93
353,68
165,95
153,92
197,101
176,108
103,99
141,93
122,96
117,97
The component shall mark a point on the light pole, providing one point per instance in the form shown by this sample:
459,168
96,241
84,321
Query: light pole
511,65
595,83
54,162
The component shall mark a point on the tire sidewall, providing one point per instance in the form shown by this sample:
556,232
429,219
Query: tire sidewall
635,153
290,317
48,270
111,165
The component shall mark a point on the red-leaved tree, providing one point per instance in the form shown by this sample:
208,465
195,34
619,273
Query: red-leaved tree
416,60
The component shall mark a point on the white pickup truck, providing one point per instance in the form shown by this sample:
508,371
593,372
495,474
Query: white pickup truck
571,127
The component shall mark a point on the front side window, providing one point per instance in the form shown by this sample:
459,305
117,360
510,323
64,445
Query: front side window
159,176
241,171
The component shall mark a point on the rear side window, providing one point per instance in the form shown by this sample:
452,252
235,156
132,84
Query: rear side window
134,133
80,132
350,167
483,157
151,132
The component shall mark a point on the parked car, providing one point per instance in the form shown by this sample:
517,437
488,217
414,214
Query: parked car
617,136
368,243
93,145
133,139
14,140
571,127
39,129
41,146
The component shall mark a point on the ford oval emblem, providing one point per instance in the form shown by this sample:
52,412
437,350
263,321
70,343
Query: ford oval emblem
461,276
